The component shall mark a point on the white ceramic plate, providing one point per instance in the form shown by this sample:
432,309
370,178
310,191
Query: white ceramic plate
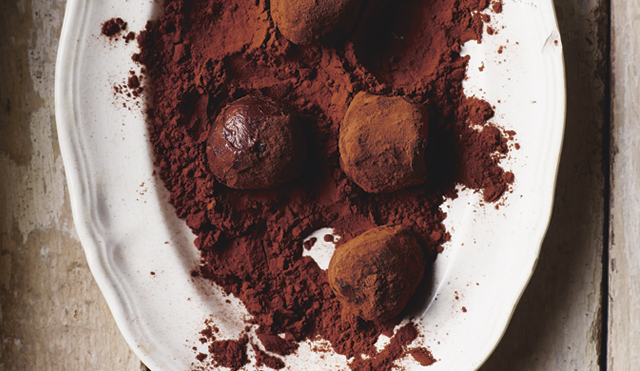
128,230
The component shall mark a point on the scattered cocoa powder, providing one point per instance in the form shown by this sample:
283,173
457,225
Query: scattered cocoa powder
202,54
423,356
394,350
130,37
129,90
265,359
497,6
309,243
113,26
133,83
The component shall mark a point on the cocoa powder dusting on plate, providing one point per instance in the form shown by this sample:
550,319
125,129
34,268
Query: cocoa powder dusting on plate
203,54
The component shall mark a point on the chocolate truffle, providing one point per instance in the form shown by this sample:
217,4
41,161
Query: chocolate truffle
255,143
305,21
382,142
375,274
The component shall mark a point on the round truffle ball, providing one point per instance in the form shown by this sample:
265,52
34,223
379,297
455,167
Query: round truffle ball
306,21
255,143
382,143
375,274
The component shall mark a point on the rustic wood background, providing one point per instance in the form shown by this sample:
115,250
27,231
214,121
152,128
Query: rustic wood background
581,310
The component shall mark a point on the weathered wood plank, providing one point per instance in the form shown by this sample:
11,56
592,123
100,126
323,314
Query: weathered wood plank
52,315
624,268
557,324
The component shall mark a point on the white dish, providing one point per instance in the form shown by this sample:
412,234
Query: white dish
128,230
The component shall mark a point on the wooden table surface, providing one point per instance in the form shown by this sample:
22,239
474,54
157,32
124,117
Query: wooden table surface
581,310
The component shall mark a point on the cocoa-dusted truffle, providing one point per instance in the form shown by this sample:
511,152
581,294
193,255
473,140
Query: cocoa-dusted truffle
383,141
375,274
255,143
305,21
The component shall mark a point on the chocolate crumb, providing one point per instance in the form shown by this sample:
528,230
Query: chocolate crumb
423,356
308,244
130,37
113,27
133,82
497,7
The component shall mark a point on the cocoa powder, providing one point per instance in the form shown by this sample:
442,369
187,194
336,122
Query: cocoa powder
113,26
203,54
423,356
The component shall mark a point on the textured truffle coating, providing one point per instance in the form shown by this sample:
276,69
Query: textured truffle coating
375,274
255,144
306,21
383,141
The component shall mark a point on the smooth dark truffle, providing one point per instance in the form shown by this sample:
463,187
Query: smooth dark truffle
255,143
383,142
375,274
306,21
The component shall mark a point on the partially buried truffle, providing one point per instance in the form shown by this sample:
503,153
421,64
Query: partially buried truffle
306,21
383,141
255,143
375,274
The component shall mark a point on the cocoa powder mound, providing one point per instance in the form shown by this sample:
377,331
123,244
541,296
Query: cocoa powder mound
202,54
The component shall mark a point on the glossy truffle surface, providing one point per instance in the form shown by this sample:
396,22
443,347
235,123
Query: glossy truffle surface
306,21
255,144
375,274
383,142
